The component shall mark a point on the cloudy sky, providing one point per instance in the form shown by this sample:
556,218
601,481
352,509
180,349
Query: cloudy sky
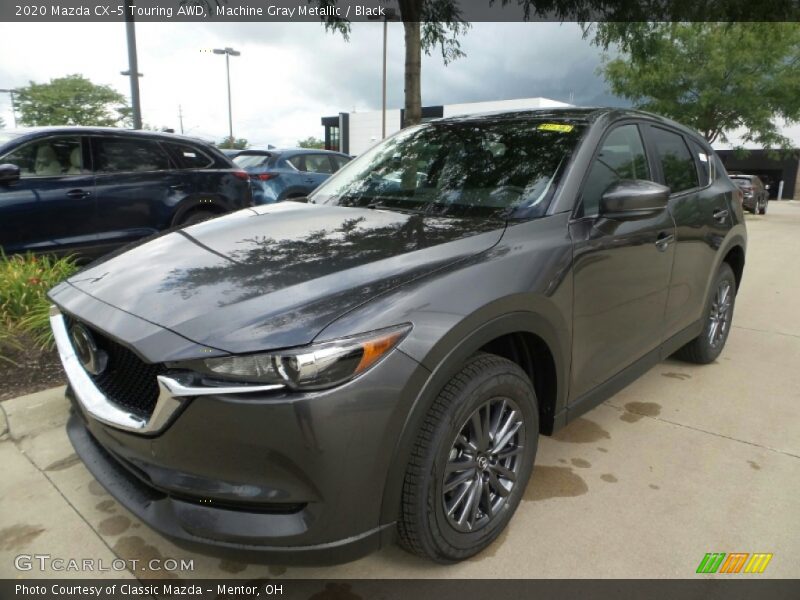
291,74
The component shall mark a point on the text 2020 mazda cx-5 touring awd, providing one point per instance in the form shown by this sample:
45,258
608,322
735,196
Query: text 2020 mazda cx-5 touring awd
316,379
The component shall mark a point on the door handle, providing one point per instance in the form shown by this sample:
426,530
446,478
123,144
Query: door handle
78,194
178,186
664,240
720,215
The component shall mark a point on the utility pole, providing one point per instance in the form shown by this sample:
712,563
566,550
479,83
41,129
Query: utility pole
180,117
133,66
389,15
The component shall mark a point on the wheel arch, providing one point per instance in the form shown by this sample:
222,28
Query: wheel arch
207,202
524,336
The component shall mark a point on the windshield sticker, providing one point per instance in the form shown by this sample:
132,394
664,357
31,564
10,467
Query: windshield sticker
560,127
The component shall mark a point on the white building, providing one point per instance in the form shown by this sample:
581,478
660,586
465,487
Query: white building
354,132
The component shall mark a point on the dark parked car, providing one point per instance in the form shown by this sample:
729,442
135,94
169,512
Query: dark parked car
89,190
755,193
311,380
285,174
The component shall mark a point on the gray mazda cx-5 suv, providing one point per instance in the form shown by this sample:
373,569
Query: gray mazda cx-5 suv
309,381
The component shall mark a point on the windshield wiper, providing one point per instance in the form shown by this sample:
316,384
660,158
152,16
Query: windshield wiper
400,209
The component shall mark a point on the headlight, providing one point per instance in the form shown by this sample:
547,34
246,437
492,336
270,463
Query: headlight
311,367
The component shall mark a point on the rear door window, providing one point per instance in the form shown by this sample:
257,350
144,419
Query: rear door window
51,157
339,162
677,164
118,155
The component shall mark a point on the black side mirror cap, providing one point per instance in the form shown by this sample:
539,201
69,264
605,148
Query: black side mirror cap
632,198
9,174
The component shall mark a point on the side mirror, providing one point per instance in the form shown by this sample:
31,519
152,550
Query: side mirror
9,174
632,198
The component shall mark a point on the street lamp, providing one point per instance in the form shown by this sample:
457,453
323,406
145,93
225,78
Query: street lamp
11,93
228,52
388,15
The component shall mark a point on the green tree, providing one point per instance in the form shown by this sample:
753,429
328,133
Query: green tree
233,144
714,77
70,100
311,142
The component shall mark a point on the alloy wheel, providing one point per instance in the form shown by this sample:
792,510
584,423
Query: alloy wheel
483,465
720,316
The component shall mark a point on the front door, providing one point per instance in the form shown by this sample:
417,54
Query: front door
52,206
621,269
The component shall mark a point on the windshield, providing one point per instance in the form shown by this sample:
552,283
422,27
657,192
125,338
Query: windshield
251,160
460,168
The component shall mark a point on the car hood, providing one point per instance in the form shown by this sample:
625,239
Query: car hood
275,276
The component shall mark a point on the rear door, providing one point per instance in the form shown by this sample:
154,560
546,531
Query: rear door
621,269
52,207
137,188
701,215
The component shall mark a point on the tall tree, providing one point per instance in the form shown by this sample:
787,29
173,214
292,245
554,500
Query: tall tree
233,144
427,25
70,100
311,142
714,77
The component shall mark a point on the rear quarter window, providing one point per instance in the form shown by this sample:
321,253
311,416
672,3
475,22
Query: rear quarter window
704,161
189,157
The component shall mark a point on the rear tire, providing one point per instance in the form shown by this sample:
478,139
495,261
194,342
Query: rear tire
763,209
471,461
707,346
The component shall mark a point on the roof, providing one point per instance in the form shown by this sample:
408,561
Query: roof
587,114
67,129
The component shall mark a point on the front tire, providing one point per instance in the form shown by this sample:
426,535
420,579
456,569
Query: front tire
706,347
471,461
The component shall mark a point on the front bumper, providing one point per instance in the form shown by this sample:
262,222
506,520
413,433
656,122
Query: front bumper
278,476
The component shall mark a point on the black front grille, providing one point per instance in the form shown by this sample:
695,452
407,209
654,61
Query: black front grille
127,380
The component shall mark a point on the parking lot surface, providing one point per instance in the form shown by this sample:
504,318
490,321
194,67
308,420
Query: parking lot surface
685,461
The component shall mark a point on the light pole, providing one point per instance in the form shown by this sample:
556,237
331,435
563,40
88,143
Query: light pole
133,66
388,15
11,92
228,52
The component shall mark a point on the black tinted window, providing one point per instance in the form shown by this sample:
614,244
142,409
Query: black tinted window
621,156
189,157
52,157
704,162
121,155
677,163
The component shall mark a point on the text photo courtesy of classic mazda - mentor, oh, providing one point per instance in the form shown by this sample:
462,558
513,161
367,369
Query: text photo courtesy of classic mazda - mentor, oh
444,298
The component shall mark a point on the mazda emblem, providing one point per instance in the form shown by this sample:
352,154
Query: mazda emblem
90,356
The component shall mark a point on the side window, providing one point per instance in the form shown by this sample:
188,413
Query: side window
52,157
298,162
318,163
680,173
704,163
339,162
621,156
189,157
116,155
